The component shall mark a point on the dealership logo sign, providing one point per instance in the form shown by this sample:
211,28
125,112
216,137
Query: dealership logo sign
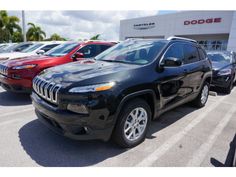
202,21
144,26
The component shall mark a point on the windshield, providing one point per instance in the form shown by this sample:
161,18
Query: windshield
32,48
219,57
133,51
62,49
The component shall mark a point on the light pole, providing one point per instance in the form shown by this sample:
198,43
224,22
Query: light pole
23,25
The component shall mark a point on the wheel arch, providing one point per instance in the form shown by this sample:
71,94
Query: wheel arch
147,95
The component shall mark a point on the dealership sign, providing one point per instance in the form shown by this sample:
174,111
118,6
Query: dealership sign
202,21
144,26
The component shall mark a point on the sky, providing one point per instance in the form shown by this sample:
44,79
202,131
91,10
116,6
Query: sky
75,25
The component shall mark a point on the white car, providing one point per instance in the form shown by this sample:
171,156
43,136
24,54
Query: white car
4,46
38,48
16,47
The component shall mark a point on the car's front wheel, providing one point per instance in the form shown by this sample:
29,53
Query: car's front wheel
132,123
229,88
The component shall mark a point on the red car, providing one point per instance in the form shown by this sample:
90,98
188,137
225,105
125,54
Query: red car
17,75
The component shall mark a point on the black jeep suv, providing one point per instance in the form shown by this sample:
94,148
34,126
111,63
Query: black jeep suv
119,92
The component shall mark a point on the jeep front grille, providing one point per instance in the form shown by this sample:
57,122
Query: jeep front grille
3,70
47,90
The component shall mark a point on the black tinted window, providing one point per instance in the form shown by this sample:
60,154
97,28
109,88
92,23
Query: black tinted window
175,51
22,47
104,47
49,47
202,54
190,53
89,51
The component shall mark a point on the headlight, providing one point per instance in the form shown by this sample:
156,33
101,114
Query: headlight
24,67
92,88
224,72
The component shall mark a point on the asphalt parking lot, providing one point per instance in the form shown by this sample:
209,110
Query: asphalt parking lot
184,136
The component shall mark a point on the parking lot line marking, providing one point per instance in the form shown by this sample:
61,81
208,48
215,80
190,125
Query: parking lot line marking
202,152
16,112
151,158
9,122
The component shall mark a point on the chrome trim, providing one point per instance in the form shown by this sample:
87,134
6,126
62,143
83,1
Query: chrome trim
45,89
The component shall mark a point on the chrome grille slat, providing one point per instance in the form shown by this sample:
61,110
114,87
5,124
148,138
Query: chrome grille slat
47,90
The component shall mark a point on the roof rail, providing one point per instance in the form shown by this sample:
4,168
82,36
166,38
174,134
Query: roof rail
181,38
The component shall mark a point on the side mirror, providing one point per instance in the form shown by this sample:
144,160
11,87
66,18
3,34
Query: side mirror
40,52
78,55
171,62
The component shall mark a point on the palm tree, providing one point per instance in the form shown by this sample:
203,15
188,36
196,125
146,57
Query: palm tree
56,37
96,37
35,33
8,26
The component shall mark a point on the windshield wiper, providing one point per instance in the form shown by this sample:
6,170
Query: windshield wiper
116,61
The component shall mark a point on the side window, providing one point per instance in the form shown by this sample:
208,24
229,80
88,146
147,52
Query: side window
49,47
104,47
191,54
175,51
202,54
89,51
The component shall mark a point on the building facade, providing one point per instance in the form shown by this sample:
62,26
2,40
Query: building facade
214,30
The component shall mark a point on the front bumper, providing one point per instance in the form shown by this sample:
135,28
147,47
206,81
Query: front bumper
73,125
221,81
15,85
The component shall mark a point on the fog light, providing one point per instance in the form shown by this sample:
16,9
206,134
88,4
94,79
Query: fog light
78,108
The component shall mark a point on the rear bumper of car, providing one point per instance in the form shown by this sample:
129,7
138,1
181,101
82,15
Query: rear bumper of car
16,85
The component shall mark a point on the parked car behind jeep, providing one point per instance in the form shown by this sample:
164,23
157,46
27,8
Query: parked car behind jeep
17,75
224,69
118,93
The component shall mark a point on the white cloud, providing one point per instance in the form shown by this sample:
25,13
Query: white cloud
81,24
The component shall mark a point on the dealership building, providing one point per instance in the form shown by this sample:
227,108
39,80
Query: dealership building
214,30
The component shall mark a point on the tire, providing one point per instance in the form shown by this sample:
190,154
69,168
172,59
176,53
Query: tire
199,102
125,118
229,88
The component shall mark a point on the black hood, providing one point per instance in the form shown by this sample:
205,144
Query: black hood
87,72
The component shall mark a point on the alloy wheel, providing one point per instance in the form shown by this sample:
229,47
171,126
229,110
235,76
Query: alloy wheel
135,124
204,95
